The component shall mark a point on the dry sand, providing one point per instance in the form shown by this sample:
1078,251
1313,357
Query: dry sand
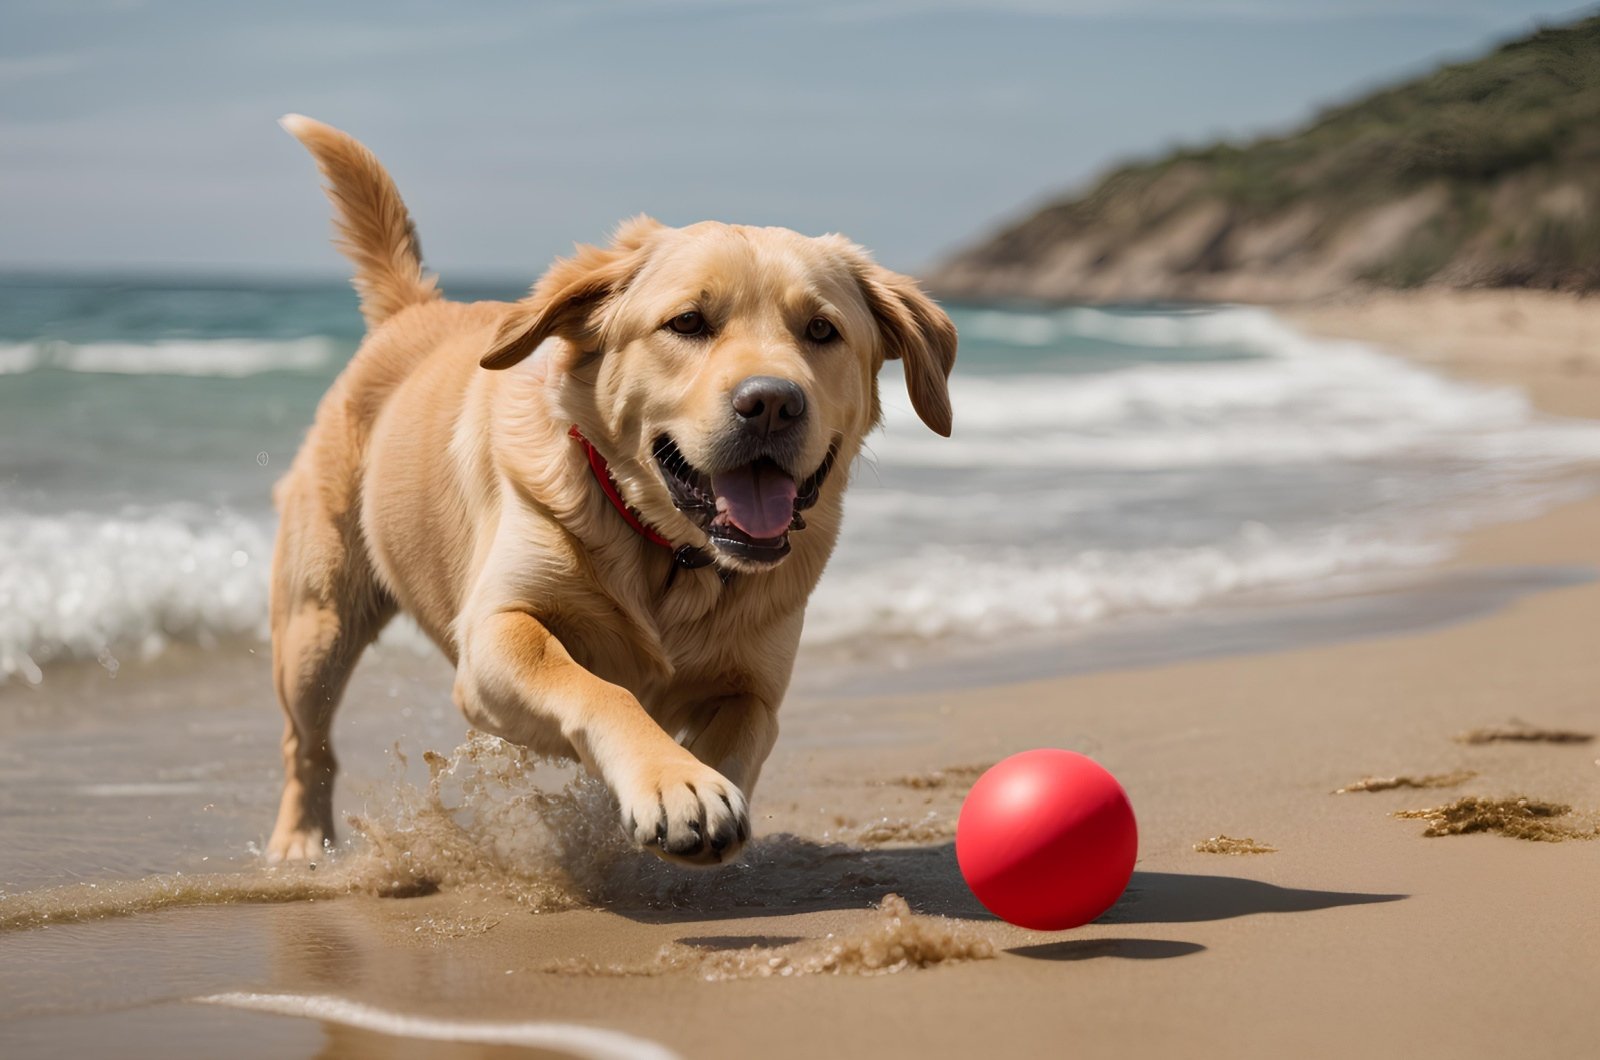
1357,936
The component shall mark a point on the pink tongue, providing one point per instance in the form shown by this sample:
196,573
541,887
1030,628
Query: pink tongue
758,499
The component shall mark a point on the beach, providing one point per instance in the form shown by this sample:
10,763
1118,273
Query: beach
1356,934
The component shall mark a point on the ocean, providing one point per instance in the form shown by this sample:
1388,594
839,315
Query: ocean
1105,463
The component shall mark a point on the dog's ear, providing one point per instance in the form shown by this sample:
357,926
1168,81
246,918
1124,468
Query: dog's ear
565,300
919,334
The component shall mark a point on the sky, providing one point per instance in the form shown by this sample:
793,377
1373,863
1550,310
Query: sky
140,133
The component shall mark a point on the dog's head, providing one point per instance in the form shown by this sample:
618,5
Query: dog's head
727,372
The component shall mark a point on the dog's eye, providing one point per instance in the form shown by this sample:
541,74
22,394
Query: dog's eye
821,330
690,323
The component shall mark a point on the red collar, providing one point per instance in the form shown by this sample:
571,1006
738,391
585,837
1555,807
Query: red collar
602,475
685,555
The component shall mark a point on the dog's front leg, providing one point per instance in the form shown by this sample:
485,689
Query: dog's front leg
517,681
734,734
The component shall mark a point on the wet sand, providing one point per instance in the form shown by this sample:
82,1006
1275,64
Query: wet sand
1358,935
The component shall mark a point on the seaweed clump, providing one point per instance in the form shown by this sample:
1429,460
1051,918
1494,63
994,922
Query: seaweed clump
1519,818
1522,732
1227,844
1431,780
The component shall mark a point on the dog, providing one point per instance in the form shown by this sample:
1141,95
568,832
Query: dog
607,503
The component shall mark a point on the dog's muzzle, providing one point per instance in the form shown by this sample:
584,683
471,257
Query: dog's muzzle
750,508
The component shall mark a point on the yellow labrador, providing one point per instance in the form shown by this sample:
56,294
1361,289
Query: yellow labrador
606,503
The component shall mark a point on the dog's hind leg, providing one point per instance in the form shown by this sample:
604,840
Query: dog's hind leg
326,609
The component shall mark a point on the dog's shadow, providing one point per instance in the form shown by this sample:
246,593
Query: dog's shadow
788,874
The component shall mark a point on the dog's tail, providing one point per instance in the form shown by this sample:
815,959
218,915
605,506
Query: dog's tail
375,230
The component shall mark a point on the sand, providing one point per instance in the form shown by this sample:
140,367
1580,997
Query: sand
848,932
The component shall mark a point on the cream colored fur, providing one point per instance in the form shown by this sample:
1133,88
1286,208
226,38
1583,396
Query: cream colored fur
439,479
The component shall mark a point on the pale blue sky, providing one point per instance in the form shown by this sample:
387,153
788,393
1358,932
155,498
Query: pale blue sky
141,133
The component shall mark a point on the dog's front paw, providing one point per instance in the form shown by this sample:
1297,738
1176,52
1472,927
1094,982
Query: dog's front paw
296,844
685,811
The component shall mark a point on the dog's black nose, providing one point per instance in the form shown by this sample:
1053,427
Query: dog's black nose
767,404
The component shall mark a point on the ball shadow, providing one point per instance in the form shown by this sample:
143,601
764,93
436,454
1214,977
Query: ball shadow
787,874
1088,949
1184,898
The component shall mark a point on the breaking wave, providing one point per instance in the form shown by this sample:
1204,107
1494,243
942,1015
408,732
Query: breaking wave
1293,399
939,591
95,587
226,358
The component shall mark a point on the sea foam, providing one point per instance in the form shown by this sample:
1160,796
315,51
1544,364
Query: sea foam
940,591
95,587
1293,399
570,1039
227,358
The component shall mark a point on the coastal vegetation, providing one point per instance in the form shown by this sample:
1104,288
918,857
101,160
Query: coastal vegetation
1480,174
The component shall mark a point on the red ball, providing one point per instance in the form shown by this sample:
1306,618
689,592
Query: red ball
1047,839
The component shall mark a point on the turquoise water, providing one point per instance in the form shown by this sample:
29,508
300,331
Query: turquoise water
1104,463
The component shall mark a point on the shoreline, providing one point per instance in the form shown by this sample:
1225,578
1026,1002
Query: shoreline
1545,343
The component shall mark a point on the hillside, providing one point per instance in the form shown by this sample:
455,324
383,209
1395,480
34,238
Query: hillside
1485,173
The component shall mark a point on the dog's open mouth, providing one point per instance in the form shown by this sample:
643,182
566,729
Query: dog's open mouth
749,510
